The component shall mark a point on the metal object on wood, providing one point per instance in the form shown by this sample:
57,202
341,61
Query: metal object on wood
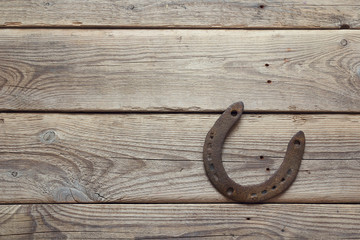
276,184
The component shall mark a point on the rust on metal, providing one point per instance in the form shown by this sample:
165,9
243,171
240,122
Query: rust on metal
276,184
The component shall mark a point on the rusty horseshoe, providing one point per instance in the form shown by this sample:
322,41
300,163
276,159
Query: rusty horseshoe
217,175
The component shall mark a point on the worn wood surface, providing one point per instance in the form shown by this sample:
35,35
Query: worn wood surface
179,70
181,221
184,13
158,157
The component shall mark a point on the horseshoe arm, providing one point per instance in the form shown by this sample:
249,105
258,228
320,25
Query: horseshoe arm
276,184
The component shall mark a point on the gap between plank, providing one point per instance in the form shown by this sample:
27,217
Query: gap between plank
104,27
176,112
175,203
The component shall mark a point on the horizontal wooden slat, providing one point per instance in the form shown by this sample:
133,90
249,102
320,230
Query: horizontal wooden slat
180,221
179,70
184,13
158,157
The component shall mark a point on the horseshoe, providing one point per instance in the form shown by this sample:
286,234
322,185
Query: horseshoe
276,184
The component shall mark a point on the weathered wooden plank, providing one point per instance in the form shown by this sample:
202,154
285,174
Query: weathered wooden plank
179,70
180,221
184,13
158,157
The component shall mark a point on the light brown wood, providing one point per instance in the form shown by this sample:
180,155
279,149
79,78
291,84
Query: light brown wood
147,158
180,221
189,13
179,70
158,157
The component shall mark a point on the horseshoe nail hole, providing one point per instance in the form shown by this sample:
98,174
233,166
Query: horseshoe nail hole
209,146
261,157
230,191
274,187
283,179
253,195
212,168
289,171
209,158
216,177
267,169
212,135
297,143
233,113
264,192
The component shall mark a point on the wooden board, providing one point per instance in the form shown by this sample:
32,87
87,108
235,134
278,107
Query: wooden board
158,157
181,221
179,70
184,13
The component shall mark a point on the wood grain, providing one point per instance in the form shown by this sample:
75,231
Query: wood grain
179,70
143,158
180,221
183,13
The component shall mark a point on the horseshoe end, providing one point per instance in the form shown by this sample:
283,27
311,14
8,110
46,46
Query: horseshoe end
297,142
235,110
238,105
300,134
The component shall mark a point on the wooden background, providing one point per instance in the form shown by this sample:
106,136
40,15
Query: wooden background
105,106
